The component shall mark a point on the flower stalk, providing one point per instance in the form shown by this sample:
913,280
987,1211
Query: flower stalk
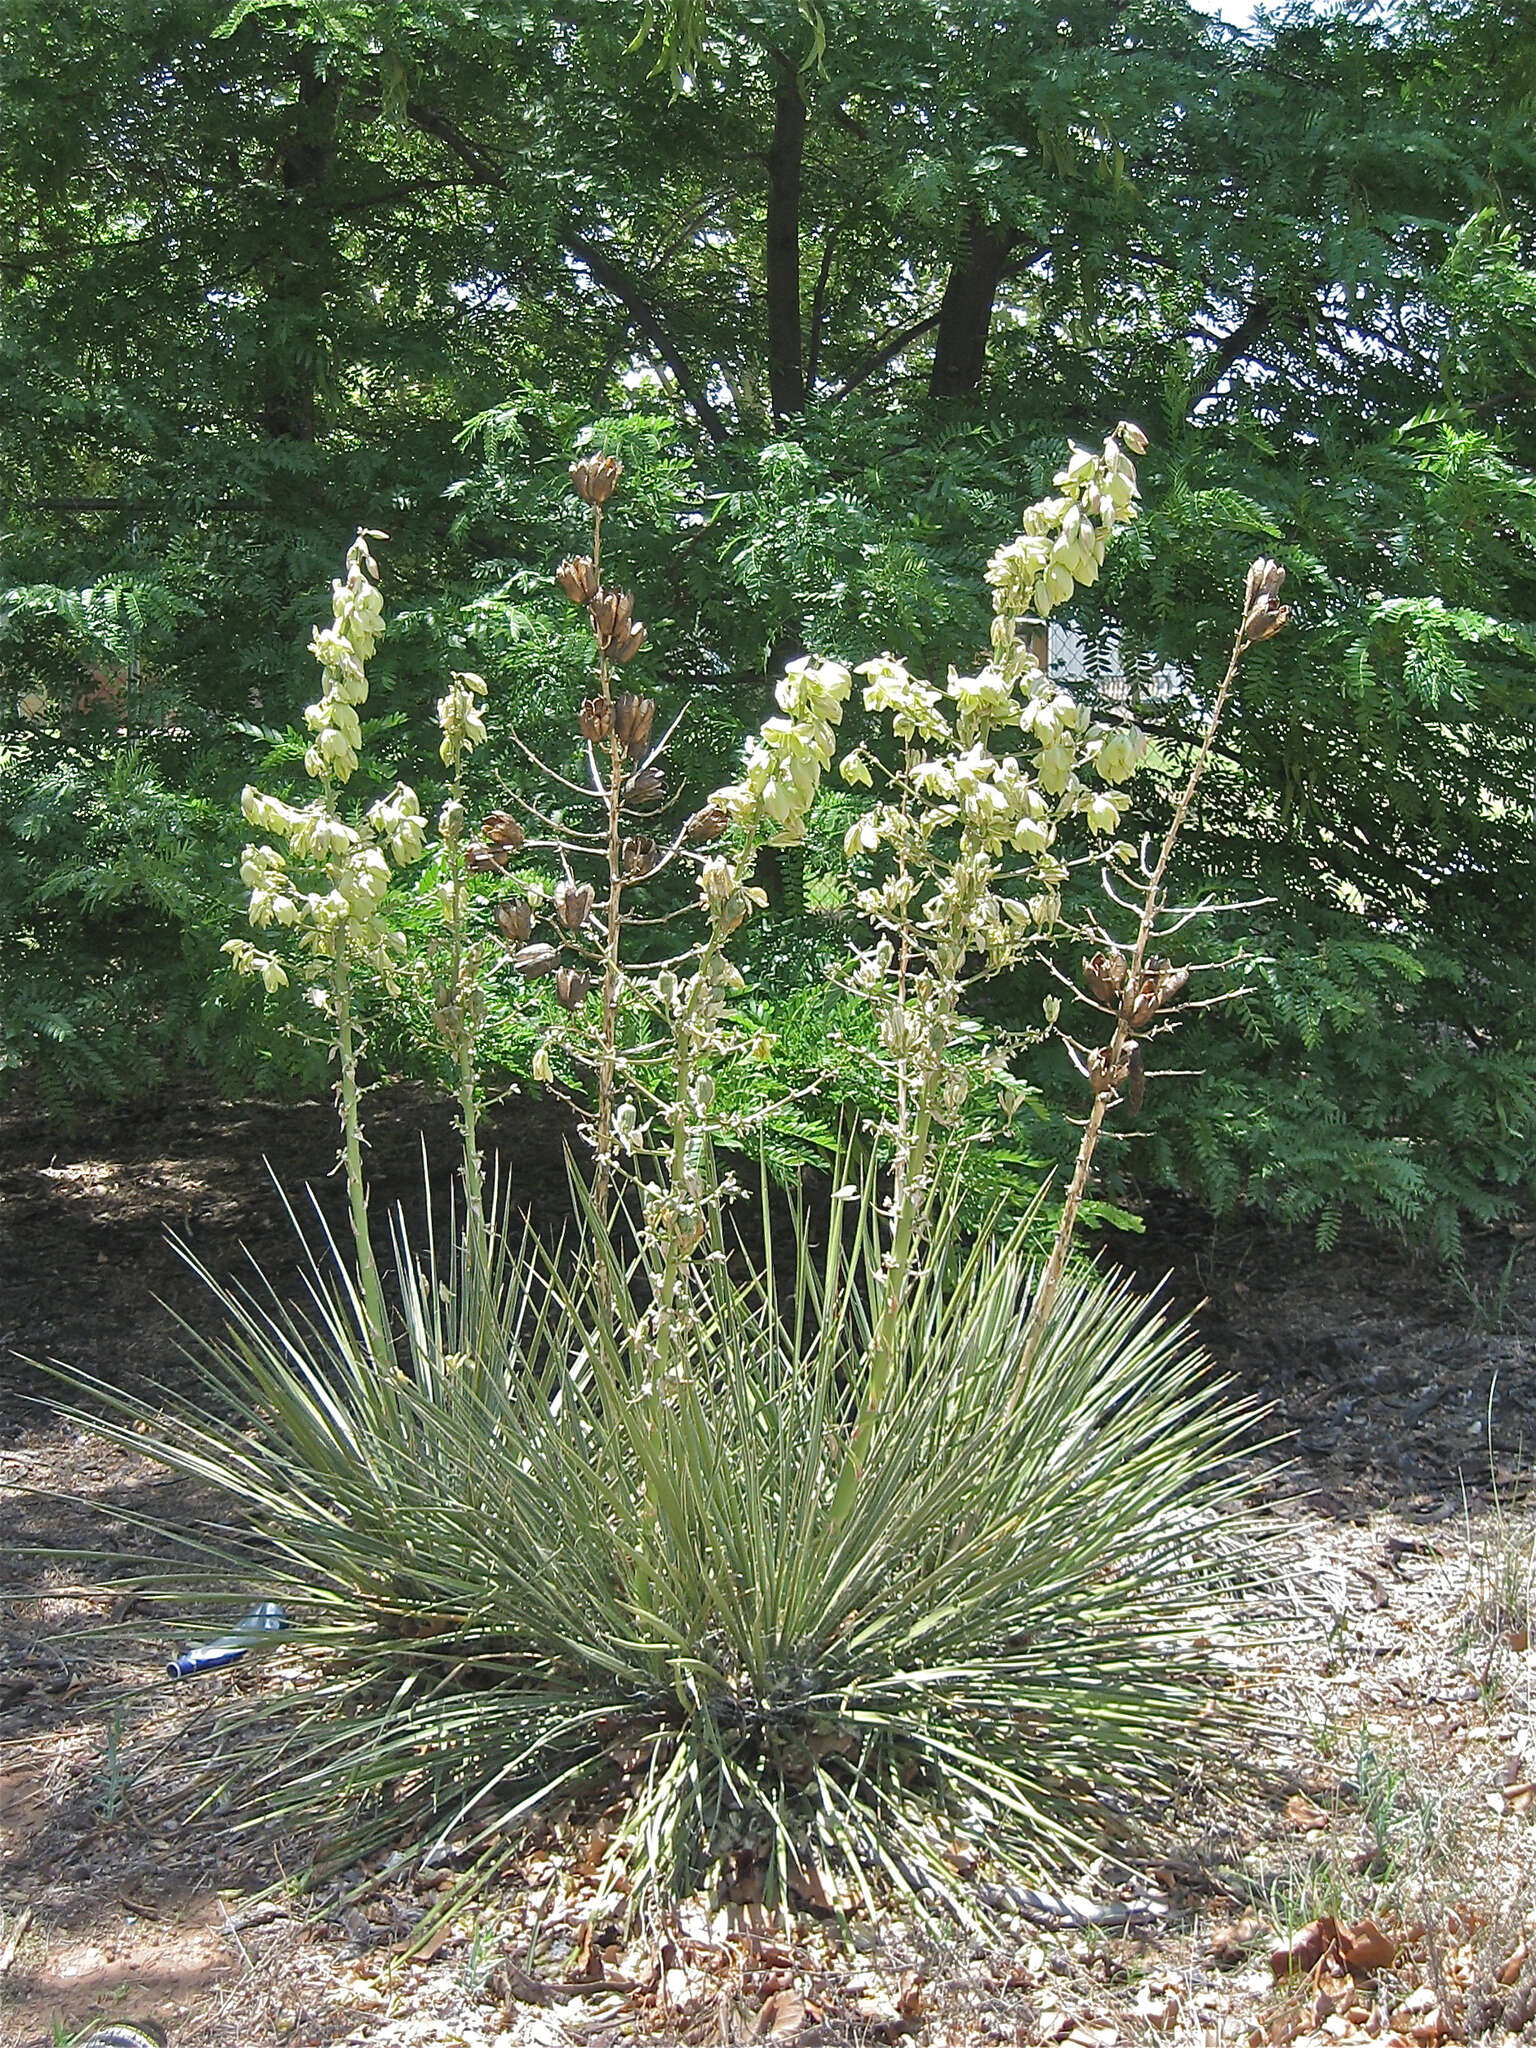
1139,988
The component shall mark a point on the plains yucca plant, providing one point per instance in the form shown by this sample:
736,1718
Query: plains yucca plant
556,1560
829,1574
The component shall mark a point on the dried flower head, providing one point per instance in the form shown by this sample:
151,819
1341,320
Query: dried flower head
500,828
596,719
577,577
633,718
596,477
573,903
706,826
1263,614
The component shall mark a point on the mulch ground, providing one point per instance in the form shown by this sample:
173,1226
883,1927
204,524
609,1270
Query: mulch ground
1370,1876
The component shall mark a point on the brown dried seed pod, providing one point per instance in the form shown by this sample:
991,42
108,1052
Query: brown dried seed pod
573,901
502,829
611,612
1135,1084
515,922
571,986
1265,579
647,786
535,960
484,860
633,718
637,856
1105,976
625,645
1101,1078
1263,614
596,477
596,718
706,826
1265,620
577,577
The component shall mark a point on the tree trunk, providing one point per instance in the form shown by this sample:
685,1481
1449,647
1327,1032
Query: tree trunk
786,155
298,267
965,312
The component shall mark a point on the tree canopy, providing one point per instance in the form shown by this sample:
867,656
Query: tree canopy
835,281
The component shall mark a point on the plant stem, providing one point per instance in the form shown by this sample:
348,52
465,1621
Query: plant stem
608,1044
1054,1270
375,1310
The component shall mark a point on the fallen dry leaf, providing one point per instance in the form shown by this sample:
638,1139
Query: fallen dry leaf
1305,1949
1367,1948
1305,1813
783,2013
1509,1972
586,1965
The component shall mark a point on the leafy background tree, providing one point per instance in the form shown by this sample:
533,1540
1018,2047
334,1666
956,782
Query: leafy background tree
834,283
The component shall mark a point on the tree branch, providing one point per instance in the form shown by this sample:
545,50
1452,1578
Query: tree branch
627,290
819,309
878,361
604,270
781,266
1236,345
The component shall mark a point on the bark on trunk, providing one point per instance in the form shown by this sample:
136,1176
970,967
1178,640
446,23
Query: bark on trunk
298,267
965,312
786,155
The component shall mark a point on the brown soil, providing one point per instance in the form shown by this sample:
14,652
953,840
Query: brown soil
1401,1392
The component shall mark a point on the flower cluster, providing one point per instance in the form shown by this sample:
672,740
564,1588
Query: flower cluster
338,903
342,648
1064,537
460,718
786,761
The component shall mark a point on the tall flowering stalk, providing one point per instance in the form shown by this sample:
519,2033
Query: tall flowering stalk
326,883
1137,990
461,1010
963,836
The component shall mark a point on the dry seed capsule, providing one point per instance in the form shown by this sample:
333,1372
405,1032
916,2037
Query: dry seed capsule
626,644
1105,976
577,577
706,826
515,922
536,960
573,901
603,609
484,860
1135,1085
633,718
571,986
596,719
596,477
646,787
502,829
637,856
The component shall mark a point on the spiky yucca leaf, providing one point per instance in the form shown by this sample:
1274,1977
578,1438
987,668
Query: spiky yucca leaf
580,1548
